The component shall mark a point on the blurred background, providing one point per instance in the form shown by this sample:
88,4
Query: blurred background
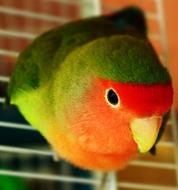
26,160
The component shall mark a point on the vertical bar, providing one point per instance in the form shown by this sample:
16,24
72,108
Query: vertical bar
175,138
108,181
90,8
112,181
164,40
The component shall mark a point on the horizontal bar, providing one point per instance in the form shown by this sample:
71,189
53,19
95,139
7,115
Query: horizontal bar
144,186
4,79
33,15
2,100
50,177
68,2
139,163
19,34
25,150
9,53
151,164
81,180
166,144
16,125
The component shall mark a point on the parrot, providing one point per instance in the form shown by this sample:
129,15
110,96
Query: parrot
95,88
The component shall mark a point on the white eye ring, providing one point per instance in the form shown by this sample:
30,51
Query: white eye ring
112,98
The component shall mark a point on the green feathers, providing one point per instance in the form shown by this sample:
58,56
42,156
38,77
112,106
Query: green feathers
122,58
102,47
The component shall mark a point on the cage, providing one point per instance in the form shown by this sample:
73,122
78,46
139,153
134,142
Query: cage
26,160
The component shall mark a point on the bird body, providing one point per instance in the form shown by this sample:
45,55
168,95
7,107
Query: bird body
94,89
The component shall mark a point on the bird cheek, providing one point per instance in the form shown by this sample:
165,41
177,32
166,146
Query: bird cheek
103,133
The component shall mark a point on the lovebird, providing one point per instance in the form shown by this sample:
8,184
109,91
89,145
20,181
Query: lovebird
95,89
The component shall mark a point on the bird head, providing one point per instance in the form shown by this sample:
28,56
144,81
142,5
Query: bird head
119,98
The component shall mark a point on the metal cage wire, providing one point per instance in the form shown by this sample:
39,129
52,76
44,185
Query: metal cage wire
86,8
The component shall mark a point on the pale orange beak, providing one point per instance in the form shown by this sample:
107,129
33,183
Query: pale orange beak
145,131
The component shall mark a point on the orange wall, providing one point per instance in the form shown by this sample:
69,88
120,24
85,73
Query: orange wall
171,16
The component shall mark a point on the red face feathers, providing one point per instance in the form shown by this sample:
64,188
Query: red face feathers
105,124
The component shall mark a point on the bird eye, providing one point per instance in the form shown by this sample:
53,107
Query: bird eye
112,98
